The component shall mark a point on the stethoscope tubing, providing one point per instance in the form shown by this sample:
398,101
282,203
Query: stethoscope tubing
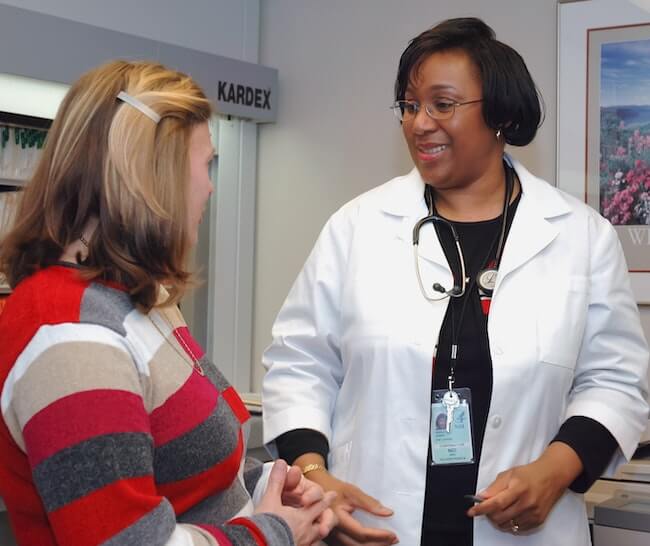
458,289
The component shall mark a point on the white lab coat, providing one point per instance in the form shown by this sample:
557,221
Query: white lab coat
353,344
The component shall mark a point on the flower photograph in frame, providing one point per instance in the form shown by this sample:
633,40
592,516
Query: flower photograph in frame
590,89
618,135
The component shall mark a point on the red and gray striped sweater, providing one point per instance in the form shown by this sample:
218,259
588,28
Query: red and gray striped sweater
108,435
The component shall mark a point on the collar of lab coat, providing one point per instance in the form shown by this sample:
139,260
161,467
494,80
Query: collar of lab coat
531,229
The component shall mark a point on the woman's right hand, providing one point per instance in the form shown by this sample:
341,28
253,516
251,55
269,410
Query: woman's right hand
309,523
349,532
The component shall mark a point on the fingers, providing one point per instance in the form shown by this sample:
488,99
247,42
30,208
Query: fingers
294,479
497,486
337,538
505,518
498,496
277,479
341,539
311,493
305,493
308,535
496,505
326,523
352,528
366,502
316,509
344,540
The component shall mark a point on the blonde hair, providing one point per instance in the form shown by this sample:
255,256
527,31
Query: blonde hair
105,158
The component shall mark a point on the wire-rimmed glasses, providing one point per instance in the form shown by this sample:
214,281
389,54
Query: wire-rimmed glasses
407,110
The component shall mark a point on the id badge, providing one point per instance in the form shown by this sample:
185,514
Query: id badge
451,444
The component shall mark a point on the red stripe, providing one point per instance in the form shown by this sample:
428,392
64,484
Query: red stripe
485,305
24,313
222,539
236,404
188,343
104,513
186,493
188,407
80,416
252,529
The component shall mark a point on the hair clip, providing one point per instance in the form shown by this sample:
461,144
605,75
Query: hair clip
139,105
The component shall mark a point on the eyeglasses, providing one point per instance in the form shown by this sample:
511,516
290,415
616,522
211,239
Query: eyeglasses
406,110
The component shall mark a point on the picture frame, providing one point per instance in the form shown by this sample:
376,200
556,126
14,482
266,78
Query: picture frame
595,36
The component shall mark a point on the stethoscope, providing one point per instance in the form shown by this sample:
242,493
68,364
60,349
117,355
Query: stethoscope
486,278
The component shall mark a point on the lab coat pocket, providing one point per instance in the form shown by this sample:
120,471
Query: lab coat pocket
561,319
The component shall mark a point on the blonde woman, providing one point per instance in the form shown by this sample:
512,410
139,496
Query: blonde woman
115,427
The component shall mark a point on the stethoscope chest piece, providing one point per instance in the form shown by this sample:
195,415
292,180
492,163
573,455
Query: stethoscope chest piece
487,280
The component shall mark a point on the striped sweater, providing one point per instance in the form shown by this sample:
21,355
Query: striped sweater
108,435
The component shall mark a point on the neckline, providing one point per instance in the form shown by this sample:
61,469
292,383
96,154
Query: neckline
460,223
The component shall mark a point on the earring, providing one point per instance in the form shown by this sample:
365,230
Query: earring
498,134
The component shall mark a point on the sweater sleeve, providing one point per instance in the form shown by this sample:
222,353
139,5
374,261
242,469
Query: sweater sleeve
75,404
295,443
594,445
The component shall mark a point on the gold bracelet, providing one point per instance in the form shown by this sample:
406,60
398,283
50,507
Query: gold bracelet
312,467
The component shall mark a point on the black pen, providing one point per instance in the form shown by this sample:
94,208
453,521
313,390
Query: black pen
474,498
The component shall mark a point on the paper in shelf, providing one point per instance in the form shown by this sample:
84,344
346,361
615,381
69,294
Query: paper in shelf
8,205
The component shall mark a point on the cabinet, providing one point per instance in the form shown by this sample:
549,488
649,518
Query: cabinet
21,146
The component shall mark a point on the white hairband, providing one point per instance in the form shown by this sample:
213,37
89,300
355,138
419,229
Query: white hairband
139,105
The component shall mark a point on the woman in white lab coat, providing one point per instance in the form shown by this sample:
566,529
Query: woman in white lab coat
506,361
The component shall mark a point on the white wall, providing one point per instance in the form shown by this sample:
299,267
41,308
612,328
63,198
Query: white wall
335,136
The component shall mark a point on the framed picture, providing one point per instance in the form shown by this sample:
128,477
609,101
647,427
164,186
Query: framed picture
604,120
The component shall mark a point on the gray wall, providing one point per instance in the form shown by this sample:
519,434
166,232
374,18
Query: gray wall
214,26
335,136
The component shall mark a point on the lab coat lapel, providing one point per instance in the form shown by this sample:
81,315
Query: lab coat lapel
531,230
529,235
406,199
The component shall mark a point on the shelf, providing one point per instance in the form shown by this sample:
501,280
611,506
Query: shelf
22,120
13,182
4,287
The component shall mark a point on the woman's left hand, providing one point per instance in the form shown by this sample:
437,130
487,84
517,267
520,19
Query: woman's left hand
521,498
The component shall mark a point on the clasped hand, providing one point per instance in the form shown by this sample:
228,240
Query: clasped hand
349,532
301,503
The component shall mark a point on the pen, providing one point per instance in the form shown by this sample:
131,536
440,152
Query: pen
474,498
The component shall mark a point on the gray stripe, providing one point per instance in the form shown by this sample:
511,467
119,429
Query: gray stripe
239,535
154,529
252,472
218,508
90,465
106,307
200,449
274,528
214,375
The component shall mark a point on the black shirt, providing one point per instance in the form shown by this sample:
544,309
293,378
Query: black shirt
444,519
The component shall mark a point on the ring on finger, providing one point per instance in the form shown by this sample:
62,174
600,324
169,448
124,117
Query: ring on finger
514,527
